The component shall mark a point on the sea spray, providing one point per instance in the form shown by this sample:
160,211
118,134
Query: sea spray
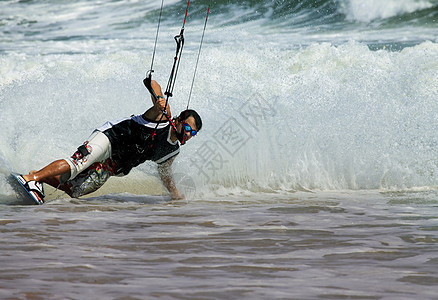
331,118
366,11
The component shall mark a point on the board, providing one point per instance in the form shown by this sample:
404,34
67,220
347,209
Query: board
29,197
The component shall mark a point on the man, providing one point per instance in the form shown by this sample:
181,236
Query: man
118,146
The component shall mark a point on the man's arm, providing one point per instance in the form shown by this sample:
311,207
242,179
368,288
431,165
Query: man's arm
156,111
165,172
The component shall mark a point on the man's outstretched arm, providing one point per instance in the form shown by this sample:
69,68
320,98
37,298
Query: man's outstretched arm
165,172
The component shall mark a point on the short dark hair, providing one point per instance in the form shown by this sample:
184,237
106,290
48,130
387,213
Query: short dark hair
191,113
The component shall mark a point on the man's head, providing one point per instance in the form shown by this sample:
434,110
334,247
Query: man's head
188,124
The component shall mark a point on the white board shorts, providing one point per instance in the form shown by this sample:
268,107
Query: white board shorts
89,172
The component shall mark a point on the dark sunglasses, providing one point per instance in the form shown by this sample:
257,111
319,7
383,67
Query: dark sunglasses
189,129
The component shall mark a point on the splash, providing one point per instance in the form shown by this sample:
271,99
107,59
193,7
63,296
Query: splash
367,11
326,118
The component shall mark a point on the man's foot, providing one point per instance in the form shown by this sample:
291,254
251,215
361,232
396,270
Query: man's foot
29,176
35,188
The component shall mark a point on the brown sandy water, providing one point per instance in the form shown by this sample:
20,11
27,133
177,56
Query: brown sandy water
361,245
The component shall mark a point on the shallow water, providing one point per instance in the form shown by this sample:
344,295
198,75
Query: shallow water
364,245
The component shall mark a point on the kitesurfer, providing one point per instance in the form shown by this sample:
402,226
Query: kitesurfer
118,146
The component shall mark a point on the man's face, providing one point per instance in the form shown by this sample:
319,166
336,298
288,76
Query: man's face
185,132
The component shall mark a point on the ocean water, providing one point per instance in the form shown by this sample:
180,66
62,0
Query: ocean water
315,175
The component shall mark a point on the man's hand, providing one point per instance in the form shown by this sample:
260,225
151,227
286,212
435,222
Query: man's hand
160,104
177,196
158,101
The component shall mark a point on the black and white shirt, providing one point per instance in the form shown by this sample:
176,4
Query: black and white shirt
135,140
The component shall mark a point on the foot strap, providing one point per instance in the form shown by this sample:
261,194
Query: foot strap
34,186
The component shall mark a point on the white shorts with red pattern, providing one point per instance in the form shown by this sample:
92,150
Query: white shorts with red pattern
89,171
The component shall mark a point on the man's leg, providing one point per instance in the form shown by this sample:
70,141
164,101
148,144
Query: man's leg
89,180
61,173
50,174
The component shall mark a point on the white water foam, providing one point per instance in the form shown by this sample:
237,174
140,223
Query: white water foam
366,11
333,117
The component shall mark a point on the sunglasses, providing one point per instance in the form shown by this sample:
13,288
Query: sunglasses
189,129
